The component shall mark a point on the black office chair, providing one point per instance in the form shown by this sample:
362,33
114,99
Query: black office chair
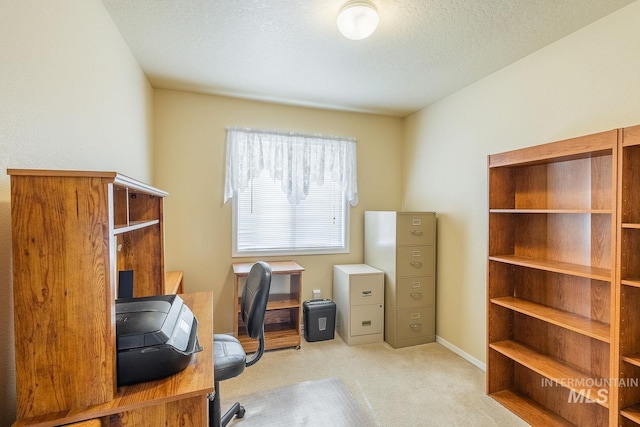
228,354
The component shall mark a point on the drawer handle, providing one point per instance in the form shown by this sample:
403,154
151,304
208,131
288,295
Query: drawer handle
366,323
416,264
417,233
416,295
367,293
416,325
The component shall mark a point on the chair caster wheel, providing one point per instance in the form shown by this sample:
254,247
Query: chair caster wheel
241,412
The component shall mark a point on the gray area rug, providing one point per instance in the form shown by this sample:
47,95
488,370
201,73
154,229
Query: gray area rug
321,403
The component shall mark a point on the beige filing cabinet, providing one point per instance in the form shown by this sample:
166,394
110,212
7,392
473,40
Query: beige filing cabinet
403,245
358,291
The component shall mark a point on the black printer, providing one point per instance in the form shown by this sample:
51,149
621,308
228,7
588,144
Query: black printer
156,336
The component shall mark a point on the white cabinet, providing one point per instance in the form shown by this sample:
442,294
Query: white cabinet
403,245
358,291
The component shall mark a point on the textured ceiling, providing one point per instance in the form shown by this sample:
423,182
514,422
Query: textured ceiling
290,51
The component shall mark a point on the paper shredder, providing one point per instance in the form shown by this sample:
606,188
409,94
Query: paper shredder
319,319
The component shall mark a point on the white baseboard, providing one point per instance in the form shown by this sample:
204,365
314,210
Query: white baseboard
466,356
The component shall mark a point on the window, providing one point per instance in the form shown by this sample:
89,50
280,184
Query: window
290,192
266,223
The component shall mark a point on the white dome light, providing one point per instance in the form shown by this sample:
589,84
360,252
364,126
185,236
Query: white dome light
357,20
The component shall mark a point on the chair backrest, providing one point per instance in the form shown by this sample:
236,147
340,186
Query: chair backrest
253,304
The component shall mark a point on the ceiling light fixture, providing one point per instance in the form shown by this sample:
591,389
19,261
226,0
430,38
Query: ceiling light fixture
358,19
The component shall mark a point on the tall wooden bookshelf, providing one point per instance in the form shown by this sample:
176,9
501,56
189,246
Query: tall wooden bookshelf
552,304
629,275
72,231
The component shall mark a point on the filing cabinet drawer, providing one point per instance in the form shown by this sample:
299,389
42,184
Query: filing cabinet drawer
367,319
415,322
367,289
416,261
415,229
416,291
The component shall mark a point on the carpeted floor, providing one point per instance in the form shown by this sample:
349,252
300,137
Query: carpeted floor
318,403
425,385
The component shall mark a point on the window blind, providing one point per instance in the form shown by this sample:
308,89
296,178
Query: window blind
267,223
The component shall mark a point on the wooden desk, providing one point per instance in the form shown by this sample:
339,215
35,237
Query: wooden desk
283,317
179,400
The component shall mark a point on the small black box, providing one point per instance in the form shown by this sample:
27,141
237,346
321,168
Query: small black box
319,319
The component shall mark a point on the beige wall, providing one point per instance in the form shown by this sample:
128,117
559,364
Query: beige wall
72,97
190,153
585,83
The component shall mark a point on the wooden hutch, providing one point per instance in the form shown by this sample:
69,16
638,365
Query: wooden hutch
72,232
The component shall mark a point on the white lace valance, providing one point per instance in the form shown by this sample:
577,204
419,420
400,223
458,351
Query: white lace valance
295,160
